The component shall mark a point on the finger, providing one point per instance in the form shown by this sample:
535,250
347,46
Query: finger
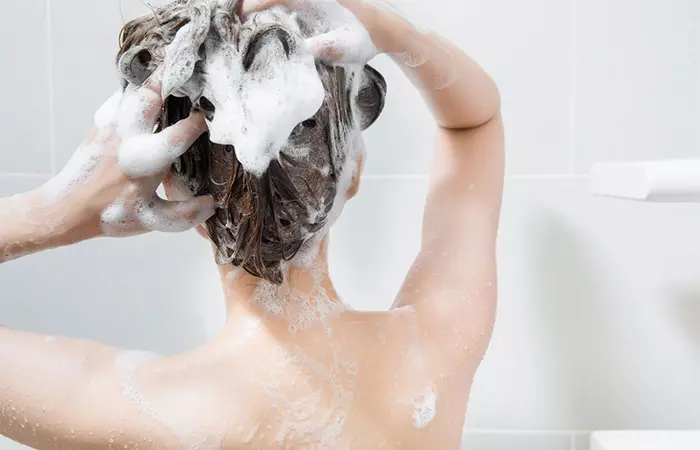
175,188
152,154
348,44
176,217
139,110
251,6
107,114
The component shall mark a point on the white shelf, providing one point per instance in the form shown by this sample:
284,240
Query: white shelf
650,181
645,440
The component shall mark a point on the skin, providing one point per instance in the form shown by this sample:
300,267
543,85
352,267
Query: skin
238,389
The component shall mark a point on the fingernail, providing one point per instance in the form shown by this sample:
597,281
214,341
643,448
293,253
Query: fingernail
209,207
198,121
248,6
154,85
323,50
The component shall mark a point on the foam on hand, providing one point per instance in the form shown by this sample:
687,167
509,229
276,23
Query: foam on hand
123,140
183,53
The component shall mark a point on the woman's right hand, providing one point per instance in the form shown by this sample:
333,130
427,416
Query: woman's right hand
342,29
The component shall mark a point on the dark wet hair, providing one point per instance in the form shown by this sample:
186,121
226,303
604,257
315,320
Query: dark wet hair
261,220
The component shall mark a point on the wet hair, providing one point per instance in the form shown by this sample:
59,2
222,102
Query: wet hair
263,220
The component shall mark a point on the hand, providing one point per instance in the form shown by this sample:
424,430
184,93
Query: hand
109,186
339,34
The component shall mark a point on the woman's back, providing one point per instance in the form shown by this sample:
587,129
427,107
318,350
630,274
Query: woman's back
353,381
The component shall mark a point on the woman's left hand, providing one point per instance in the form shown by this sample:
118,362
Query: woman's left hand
109,186
340,34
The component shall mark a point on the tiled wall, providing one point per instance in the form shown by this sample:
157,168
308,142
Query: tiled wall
600,299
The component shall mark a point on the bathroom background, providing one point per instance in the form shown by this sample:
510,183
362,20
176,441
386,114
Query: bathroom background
599,315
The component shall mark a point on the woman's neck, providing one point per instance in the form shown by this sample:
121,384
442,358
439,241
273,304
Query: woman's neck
306,295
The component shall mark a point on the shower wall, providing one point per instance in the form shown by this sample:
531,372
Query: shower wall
599,314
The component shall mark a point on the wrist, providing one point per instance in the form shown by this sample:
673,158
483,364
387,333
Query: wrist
20,234
53,224
389,31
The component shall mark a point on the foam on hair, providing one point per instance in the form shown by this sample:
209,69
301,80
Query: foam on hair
283,129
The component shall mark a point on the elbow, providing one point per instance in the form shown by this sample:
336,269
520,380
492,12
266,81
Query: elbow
496,103
481,112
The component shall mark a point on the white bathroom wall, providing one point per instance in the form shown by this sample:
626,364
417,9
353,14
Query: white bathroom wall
599,312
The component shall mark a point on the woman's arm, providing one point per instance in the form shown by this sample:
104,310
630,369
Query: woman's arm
29,223
67,393
452,284
109,186
23,228
457,90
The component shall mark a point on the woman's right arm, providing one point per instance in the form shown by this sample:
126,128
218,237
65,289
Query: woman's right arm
69,393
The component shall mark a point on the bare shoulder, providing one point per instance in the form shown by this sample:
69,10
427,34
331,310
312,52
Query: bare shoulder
403,389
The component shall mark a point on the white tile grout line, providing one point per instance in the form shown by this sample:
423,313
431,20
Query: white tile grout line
573,433
574,82
553,176
394,177
25,175
424,177
49,69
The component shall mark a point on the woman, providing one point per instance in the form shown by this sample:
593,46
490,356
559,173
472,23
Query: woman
293,367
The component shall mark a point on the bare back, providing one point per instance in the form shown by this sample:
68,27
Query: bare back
361,380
